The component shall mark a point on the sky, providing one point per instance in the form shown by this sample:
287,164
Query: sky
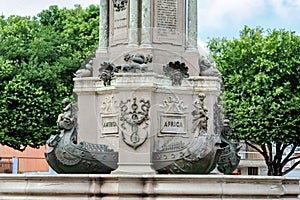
217,18
226,18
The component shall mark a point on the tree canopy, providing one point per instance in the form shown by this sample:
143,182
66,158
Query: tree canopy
261,73
38,57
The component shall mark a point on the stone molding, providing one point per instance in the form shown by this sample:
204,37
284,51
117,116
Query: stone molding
207,84
147,187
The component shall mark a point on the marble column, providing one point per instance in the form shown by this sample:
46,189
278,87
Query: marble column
192,25
133,24
103,26
146,23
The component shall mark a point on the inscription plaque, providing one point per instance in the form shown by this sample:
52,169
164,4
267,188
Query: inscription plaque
109,124
173,124
120,25
168,25
166,17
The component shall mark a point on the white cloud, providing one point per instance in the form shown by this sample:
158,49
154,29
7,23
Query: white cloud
213,13
295,3
225,18
285,8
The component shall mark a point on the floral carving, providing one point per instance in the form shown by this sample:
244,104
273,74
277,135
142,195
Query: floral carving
107,72
176,71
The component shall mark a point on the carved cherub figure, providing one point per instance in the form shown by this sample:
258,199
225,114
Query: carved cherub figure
65,120
207,67
86,71
200,115
136,63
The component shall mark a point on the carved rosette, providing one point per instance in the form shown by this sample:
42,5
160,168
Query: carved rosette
176,71
134,120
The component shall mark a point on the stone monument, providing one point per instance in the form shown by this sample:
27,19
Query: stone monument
148,106
150,102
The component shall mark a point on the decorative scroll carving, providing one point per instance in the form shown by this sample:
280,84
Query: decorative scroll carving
107,70
135,118
120,4
200,115
135,63
176,71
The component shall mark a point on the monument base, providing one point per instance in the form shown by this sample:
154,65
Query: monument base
136,169
133,187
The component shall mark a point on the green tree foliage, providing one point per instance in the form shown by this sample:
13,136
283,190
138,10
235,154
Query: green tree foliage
38,57
261,72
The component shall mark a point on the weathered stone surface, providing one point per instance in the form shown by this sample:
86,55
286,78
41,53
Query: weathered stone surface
169,187
170,122
165,29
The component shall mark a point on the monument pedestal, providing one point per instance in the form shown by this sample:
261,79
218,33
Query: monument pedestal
150,122
137,160
146,109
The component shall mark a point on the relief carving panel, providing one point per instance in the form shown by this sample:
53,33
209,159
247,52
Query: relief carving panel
108,117
173,120
119,26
